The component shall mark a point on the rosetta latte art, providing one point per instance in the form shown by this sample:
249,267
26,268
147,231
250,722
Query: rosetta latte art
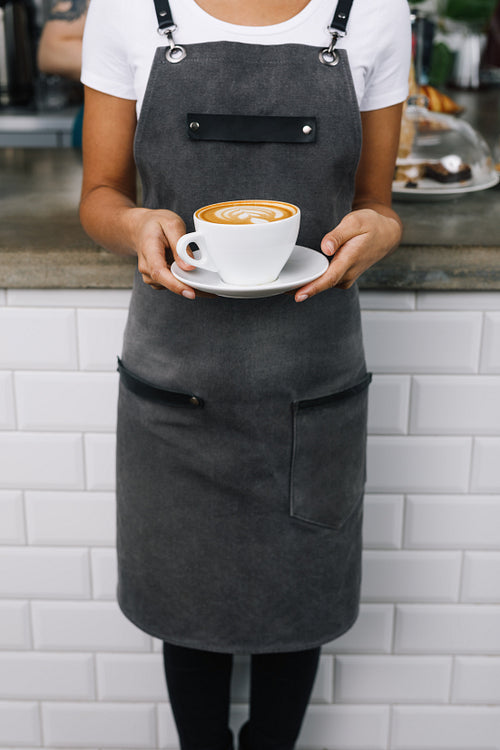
246,212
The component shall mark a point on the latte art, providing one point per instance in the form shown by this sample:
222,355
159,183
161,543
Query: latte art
246,212
247,242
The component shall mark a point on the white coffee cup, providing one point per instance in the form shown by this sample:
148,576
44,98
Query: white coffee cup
246,242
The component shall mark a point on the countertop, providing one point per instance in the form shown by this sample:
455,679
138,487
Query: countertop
26,127
447,245
22,120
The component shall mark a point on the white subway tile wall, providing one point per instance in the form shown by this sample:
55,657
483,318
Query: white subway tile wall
422,341
100,461
454,301
11,517
383,521
70,518
41,460
388,405
104,573
38,339
15,625
100,334
490,356
44,676
420,669
66,402
392,679
99,724
7,410
476,679
486,465
130,677
481,577
20,722
31,573
446,728
87,626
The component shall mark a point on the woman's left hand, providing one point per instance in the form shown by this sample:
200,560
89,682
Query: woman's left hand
361,239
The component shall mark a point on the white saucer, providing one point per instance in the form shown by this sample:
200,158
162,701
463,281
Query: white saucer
430,190
304,265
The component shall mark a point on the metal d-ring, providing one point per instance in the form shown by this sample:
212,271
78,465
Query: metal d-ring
175,53
329,55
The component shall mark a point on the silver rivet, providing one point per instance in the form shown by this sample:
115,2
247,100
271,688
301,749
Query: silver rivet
307,129
163,13
342,16
194,126
194,401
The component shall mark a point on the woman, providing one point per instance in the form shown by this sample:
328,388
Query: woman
242,422
60,46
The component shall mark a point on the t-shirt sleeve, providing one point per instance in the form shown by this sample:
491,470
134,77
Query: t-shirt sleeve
387,81
105,65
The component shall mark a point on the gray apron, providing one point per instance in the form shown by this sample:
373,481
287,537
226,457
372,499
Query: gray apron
242,422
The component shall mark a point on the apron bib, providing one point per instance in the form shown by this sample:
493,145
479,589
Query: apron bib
242,423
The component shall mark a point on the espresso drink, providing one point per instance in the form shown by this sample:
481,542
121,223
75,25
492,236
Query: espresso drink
246,212
246,242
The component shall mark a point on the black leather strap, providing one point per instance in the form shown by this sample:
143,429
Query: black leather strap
341,17
148,390
251,128
339,21
338,396
164,14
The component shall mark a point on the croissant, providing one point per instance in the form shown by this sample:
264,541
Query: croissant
439,102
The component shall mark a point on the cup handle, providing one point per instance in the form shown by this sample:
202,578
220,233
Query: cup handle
204,260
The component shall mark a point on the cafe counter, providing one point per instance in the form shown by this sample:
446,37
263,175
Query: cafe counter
447,245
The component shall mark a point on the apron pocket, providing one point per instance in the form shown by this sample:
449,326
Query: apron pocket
328,468
153,392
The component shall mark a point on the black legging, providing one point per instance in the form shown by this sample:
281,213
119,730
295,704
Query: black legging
199,688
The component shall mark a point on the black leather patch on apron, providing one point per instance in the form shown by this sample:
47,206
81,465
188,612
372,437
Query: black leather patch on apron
144,388
251,128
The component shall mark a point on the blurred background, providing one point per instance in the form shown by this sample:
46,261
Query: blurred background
456,44
36,110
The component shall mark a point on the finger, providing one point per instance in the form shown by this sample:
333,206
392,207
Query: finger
350,226
173,231
156,273
326,281
164,279
337,275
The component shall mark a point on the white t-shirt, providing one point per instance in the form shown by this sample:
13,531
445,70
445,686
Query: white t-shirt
121,37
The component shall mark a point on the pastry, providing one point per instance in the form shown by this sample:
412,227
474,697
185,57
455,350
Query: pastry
449,169
439,102
408,172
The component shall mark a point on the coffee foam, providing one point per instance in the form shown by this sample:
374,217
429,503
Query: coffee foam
246,212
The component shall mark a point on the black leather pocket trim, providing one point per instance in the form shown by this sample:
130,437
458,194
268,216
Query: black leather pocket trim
328,469
346,393
251,128
148,390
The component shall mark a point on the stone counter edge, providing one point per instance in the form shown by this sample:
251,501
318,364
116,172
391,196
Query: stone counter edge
411,267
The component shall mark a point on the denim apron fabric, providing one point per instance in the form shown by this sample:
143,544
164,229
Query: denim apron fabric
242,422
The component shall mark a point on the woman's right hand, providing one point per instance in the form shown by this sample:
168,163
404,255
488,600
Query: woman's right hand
155,234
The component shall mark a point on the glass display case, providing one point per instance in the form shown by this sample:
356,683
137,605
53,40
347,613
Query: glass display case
440,155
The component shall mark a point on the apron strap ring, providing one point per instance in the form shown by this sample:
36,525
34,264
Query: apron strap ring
337,29
175,53
329,55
